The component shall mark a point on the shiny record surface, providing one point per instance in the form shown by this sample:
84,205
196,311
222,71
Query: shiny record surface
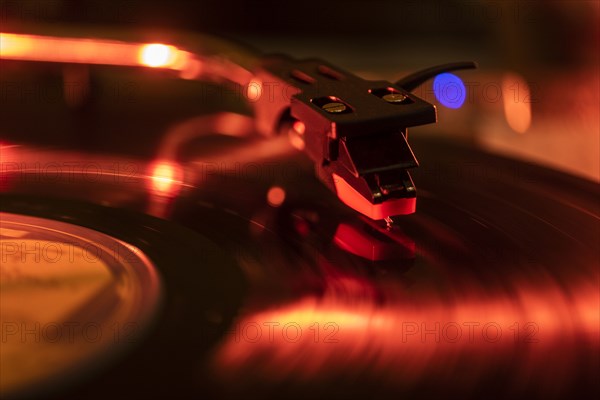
490,289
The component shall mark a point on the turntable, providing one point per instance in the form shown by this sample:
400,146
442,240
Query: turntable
182,216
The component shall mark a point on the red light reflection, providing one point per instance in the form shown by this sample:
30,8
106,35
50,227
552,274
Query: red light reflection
408,340
275,196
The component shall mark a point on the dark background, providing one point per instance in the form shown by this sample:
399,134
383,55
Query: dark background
511,33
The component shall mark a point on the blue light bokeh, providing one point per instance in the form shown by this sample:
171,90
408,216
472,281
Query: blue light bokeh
449,90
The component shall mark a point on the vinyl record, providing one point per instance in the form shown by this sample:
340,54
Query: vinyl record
488,290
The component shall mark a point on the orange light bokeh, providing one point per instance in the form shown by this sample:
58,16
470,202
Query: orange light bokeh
516,96
166,178
157,55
